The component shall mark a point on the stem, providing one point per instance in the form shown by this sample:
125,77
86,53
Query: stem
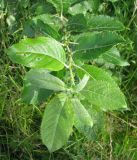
72,79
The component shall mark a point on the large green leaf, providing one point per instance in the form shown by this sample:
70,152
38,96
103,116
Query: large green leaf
82,117
57,122
41,52
103,23
105,95
61,5
43,79
91,45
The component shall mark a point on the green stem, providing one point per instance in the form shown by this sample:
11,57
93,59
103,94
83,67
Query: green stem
72,79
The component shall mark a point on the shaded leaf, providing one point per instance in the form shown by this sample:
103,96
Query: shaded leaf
77,23
32,94
43,79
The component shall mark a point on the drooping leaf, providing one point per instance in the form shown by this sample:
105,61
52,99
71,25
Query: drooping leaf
61,5
77,23
91,45
104,95
32,94
82,117
104,23
57,122
43,79
113,56
41,52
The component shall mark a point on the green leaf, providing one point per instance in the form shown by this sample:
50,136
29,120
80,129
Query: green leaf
41,52
32,94
61,5
93,133
104,23
77,23
82,117
52,20
95,5
57,122
47,30
96,73
105,95
91,45
113,56
43,79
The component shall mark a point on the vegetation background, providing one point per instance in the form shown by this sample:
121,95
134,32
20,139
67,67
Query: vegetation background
19,123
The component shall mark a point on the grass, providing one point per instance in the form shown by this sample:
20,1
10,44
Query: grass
19,123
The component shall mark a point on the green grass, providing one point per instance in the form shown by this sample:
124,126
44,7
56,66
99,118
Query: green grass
19,123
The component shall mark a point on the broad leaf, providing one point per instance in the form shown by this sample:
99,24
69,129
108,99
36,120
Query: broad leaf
57,122
61,5
113,56
41,52
82,117
91,45
104,95
43,79
104,23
